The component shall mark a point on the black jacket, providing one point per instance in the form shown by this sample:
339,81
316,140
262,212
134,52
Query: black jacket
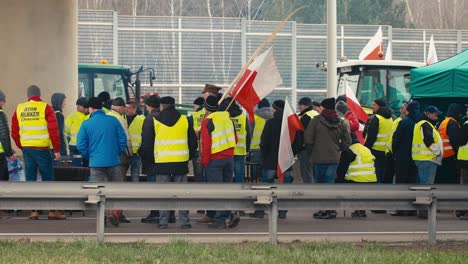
372,128
269,142
170,117
5,134
403,138
462,139
146,150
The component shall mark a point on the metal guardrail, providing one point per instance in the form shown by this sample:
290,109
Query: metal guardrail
271,198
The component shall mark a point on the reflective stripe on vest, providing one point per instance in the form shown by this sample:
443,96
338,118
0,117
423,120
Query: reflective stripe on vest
198,118
362,169
384,132
257,132
395,124
223,136
240,124
72,125
419,150
311,113
448,150
134,130
1,145
33,124
463,150
171,143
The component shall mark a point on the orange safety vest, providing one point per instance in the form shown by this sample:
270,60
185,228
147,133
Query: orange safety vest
448,150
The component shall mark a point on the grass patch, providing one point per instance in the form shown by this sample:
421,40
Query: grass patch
84,252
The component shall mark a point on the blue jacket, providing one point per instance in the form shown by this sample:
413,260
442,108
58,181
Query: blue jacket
101,139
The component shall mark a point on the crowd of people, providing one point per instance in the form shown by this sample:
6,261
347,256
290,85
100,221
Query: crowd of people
113,137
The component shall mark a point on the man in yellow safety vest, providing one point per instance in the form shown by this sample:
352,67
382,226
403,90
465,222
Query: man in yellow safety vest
462,160
306,114
195,119
135,127
73,123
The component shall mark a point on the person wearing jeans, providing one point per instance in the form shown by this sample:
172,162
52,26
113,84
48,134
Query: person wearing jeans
165,214
306,114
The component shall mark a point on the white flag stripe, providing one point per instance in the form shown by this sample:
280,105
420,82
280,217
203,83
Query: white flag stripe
285,155
388,53
374,42
268,76
350,94
432,53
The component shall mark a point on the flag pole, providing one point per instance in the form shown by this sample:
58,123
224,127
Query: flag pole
254,55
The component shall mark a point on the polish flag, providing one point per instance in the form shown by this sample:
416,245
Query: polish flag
259,79
289,126
388,53
374,48
354,105
432,53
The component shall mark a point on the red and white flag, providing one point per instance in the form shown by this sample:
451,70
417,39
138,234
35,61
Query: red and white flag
259,79
354,105
290,125
373,48
432,53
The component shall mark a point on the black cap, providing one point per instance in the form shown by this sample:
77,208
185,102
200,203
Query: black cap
104,96
83,102
380,102
95,103
433,110
412,106
153,100
119,101
328,103
278,105
315,103
264,103
305,101
199,101
167,100
211,103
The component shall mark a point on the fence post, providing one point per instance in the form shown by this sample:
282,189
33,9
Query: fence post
243,41
459,41
294,63
115,37
179,32
100,218
342,41
273,221
432,221
424,41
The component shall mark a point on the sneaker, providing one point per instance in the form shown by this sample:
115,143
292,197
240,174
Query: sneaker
200,211
51,215
163,226
205,220
34,216
151,218
218,225
60,215
186,226
282,214
358,214
233,220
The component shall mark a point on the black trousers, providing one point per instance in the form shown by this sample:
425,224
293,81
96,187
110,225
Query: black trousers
4,176
405,171
389,171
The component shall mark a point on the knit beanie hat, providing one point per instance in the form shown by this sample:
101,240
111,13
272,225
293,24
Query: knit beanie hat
199,101
413,106
305,101
167,100
278,105
211,103
328,103
380,102
264,103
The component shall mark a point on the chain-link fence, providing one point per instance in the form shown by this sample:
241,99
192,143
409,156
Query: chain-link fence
187,52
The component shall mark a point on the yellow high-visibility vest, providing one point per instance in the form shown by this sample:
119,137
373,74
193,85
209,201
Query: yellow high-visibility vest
115,114
106,110
384,132
257,132
223,136
362,169
395,124
240,124
135,130
198,118
171,143
32,123
72,125
311,114
1,146
463,150
419,150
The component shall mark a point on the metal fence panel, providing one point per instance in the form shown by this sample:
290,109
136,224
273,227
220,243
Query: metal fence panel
188,52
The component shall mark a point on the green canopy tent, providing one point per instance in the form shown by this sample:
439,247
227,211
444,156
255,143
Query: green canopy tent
441,83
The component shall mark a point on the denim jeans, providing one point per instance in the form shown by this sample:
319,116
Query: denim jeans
104,174
164,215
239,168
307,170
41,159
256,168
220,170
325,172
135,164
197,168
427,171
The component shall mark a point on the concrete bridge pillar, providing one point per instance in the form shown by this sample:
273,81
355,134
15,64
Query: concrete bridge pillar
38,45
